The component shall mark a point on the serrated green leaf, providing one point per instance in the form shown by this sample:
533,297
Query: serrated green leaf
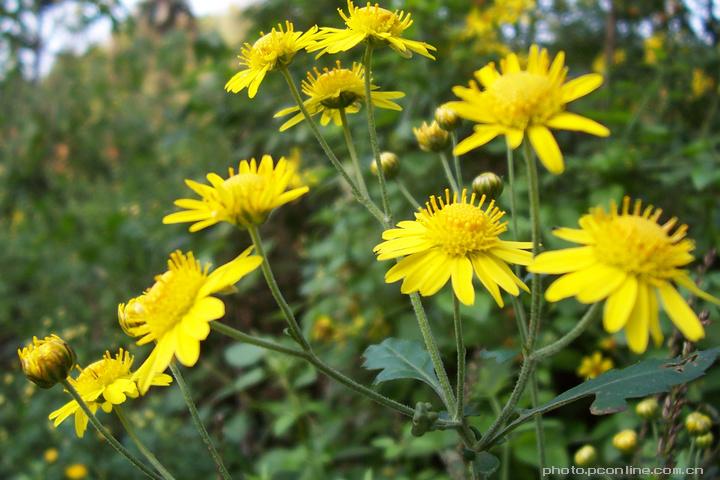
398,358
614,388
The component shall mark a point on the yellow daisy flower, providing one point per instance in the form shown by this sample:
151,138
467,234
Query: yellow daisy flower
450,238
594,365
630,260
370,22
105,383
244,198
332,90
176,311
517,102
270,52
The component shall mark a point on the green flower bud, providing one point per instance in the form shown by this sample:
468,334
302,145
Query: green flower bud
648,408
697,423
431,138
48,361
625,441
488,184
704,441
390,165
585,456
446,118
423,419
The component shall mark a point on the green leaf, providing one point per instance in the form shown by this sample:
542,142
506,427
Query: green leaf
612,389
242,355
401,359
486,464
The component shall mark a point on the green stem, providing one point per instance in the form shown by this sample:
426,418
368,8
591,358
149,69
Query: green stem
370,111
431,345
365,201
505,463
258,342
513,196
539,427
460,347
106,433
140,445
448,172
187,396
456,160
406,193
353,153
295,330
569,337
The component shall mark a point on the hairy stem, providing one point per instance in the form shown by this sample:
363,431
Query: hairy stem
406,193
448,172
140,445
353,153
456,160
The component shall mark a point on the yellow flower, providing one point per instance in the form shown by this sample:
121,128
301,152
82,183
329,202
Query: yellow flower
76,471
631,260
625,441
594,365
431,138
270,52
701,83
48,361
647,408
373,23
653,46
175,312
105,383
698,423
324,329
450,238
585,456
244,198
517,102
50,455
330,91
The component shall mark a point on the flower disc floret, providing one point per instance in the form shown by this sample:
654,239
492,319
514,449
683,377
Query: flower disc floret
631,260
516,102
104,384
372,23
450,239
245,198
175,312
270,52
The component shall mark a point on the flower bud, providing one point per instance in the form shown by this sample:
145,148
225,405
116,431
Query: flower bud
585,456
625,441
390,165
704,441
648,408
446,118
431,138
488,184
697,423
48,361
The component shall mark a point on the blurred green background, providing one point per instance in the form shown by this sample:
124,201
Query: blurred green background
94,148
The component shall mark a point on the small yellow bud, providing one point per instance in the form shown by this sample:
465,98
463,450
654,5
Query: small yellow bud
446,118
697,423
625,441
585,456
648,408
50,455
76,471
488,184
704,441
390,165
324,329
431,138
48,361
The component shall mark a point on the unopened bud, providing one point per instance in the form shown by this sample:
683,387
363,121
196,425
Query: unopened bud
648,408
431,138
48,361
625,441
697,423
704,441
390,165
488,184
585,456
446,118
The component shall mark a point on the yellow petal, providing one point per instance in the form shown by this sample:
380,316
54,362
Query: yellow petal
487,280
654,317
563,261
571,284
462,273
581,86
680,313
574,235
607,280
619,305
514,137
577,123
687,282
546,148
636,330
188,349
483,134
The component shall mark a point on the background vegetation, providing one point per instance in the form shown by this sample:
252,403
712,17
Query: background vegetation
93,153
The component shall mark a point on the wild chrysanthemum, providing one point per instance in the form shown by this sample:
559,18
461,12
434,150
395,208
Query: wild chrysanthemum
335,89
372,23
449,239
271,51
244,198
176,311
47,361
105,383
517,102
630,260
594,365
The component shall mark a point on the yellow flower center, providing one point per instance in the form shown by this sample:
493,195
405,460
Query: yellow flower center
272,49
104,372
374,20
638,245
522,98
461,228
336,88
171,297
247,191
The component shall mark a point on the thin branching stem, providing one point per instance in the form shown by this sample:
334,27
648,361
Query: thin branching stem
140,445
